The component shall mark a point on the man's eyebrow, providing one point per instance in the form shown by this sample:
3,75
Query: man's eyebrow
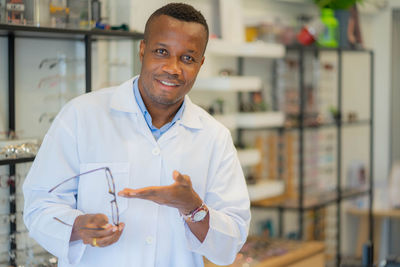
191,51
162,44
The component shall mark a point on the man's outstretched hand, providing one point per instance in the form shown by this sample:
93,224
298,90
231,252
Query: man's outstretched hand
179,195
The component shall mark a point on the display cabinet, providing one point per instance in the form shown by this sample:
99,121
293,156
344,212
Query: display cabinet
327,144
227,94
16,241
316,141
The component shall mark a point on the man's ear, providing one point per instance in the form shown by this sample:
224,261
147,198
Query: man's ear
141,50
202,60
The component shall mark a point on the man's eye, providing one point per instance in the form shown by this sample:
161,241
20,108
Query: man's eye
188,59
161,51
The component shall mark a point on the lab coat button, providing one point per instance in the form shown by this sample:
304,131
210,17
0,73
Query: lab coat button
156,151
149,240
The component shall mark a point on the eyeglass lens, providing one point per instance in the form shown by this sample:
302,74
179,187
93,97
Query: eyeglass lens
115,212
111,190
110,182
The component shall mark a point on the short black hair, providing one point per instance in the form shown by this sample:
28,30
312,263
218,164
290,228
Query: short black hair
179,11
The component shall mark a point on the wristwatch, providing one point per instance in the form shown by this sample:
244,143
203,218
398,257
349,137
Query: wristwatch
197,215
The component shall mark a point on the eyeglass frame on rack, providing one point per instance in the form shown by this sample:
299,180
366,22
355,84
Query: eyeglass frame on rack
111,190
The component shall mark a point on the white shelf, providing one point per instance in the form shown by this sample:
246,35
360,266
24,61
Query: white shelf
249,157
265,189
252,120
260,119
229,83
254,49
229,120
302,2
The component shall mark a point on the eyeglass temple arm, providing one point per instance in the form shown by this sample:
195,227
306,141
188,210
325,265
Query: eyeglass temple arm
85,228
73,177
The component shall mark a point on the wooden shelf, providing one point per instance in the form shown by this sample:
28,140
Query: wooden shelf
306,251
381,213
294,254
311,201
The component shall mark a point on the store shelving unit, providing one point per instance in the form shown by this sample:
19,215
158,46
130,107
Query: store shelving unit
11,32
303,203
336,197
240,121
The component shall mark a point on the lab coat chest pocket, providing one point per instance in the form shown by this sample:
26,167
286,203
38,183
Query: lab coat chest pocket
93,189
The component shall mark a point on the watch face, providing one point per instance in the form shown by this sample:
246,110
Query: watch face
199,215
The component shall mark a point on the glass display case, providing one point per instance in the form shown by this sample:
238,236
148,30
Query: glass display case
15,12
47,13
80,14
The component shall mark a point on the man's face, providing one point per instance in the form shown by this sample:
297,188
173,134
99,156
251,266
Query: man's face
171,58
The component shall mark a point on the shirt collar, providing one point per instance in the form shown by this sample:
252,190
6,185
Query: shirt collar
145,112
123,99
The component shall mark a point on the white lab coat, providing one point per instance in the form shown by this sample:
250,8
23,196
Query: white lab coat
106,128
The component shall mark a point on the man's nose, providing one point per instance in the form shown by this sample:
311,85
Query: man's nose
172,66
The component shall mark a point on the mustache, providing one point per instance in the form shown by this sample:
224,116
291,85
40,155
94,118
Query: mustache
169,78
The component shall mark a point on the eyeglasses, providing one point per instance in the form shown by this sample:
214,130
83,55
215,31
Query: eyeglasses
111,191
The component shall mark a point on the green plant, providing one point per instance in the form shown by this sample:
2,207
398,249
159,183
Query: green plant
336,4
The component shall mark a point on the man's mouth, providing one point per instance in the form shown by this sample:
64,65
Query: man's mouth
168,83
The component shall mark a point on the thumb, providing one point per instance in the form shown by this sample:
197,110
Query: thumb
99,219
178,177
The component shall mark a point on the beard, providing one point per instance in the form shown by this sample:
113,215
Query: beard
160,99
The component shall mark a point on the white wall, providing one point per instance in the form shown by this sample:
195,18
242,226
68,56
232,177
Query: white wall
377,31
3,86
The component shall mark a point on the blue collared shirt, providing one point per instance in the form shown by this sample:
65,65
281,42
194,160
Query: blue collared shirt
154,130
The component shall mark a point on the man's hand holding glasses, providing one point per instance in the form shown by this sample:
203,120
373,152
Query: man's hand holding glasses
94,229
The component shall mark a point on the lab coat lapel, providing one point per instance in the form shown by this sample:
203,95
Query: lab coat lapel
123,100
191,115
190,119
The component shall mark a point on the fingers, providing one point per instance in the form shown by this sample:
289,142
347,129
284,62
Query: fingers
177,195
110,239
127,192
98,220
151,192
145,192
94,232
142,192
103,238
178,177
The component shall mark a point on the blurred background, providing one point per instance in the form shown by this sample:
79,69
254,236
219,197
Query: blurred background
308,89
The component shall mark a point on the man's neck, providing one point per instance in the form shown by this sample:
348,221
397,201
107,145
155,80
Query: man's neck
162,115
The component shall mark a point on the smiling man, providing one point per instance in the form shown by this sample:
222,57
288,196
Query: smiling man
169,170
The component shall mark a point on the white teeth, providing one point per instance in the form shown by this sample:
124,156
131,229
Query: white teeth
167,83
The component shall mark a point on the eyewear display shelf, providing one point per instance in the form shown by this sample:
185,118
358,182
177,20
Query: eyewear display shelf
11,32
303,202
